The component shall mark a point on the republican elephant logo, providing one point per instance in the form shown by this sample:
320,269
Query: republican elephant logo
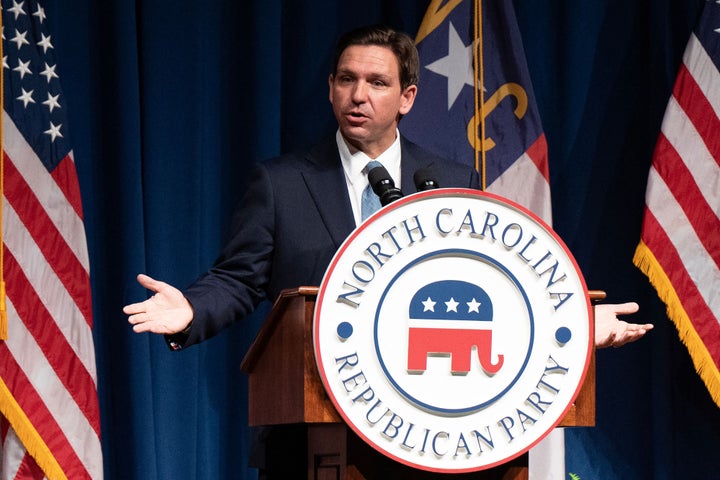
450,318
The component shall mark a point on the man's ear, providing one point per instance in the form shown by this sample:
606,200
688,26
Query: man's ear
408,99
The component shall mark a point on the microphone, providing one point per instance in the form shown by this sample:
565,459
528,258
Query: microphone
424,180
383,185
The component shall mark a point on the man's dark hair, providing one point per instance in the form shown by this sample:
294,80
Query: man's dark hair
379,35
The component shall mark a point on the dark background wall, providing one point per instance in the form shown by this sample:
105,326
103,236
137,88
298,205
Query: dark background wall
172,101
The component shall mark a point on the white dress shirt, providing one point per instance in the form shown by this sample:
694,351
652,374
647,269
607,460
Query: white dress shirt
354,163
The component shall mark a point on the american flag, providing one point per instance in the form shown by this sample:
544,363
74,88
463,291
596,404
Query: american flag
679,249
48,393
458,88
480,109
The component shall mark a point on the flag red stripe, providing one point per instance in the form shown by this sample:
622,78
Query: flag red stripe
29,469
703,319
678,178
40,416
62,259
699,110
66,178
538,154
59,354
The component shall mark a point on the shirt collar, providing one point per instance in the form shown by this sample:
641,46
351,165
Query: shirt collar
353,164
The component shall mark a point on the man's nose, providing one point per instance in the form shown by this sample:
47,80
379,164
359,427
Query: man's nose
360,91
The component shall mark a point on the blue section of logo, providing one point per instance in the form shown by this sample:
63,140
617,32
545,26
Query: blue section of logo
344,330
467,288
451,300
563,335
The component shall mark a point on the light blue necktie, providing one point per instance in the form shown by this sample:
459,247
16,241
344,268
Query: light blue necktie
370,202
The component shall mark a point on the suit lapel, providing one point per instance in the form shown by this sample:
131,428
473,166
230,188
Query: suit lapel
408,167
412,160
325,181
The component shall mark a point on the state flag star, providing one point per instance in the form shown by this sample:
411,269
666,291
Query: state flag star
429,305
451,305
457,66
474,306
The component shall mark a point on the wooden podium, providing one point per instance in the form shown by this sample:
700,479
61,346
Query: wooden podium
285,389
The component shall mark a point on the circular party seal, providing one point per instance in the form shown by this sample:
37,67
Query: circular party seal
453,330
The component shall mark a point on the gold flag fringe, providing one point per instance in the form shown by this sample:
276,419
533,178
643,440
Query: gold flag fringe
28,435
645,260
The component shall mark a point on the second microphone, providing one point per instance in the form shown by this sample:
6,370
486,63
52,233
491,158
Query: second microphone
383,185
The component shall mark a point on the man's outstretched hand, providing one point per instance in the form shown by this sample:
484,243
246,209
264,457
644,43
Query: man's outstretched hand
166,312
610,331
169,312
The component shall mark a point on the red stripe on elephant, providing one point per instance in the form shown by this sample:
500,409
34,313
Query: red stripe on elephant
457,343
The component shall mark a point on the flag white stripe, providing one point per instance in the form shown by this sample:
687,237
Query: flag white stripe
64,218
451,324
696,259
533,192
547,459
49,289
691,148
13,453
71,420
704,71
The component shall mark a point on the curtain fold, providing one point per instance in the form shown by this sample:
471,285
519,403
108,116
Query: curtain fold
172,102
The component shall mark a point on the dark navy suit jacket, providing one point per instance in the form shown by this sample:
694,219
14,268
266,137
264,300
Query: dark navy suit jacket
293,218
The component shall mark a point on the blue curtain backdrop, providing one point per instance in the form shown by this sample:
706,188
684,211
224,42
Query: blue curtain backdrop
170,104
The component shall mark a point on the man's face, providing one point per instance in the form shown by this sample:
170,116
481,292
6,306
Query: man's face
367,98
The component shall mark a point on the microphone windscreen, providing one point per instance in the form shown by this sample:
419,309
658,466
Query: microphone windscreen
383,185
425,180
379,174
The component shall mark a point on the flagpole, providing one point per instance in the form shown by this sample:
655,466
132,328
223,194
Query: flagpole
479,79
3,307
